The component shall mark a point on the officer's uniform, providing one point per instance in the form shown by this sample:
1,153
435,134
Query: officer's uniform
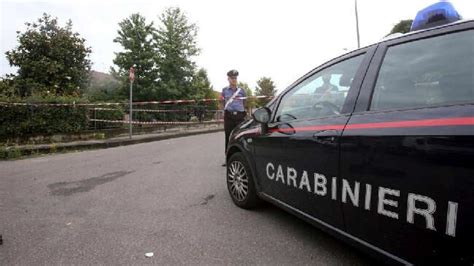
234,112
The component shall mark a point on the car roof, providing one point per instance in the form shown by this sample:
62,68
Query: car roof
398,35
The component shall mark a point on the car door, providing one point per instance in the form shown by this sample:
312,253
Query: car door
407,151
297,156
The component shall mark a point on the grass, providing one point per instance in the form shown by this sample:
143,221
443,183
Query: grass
8,153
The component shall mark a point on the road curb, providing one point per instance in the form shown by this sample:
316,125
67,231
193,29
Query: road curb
110,143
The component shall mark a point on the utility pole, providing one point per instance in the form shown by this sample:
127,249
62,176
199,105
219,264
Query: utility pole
357,25
130,115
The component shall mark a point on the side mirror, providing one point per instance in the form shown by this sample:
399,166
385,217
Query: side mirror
262,115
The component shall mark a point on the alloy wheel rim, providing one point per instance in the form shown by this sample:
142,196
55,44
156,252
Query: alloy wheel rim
237,180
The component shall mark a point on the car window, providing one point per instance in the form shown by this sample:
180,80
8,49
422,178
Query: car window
438,70
322,94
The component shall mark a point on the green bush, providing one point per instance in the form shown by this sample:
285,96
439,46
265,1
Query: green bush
29,120
106,113
9,152
112,113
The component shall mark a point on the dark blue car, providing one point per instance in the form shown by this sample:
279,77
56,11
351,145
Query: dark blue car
375,147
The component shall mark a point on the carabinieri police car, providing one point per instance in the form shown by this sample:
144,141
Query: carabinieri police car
375,146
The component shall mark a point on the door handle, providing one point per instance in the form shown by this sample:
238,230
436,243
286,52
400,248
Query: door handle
328,135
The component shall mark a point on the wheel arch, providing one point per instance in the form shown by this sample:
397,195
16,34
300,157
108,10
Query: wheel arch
251,163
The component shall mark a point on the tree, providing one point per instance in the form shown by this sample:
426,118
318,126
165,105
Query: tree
250,102
176,46
202,88
137,39
103,87
265,87
50,58
403,26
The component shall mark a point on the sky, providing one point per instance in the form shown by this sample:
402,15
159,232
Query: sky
281,40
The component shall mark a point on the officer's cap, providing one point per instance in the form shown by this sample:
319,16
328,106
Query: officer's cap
233,73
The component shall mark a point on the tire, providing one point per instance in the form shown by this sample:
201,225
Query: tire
240,182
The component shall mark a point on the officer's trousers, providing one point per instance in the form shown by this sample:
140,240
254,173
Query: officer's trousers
231,120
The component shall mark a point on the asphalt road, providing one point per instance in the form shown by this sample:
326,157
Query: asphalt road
168,197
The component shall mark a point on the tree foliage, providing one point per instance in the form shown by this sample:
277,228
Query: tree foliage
402,27
163,57
51,59
176,44
7,89
251,102
103,87
136,37
265,87
202,88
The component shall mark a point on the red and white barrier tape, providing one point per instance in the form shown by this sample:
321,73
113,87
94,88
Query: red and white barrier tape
201,100
59,104
153,123
170,111
104,109
159,111
134,103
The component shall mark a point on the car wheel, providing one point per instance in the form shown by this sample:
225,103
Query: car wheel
240,182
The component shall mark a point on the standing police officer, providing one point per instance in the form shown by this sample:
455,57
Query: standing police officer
234,110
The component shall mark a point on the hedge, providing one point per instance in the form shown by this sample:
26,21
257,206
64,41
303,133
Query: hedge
33,120
30,120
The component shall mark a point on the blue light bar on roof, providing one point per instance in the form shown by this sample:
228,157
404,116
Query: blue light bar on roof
435,15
